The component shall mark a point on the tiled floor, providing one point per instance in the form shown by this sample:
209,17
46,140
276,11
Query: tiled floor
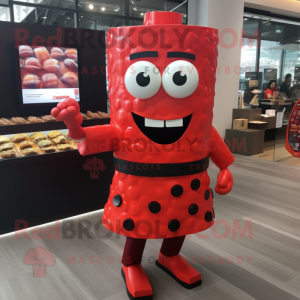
263,263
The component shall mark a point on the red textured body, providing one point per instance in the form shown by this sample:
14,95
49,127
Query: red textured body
162,46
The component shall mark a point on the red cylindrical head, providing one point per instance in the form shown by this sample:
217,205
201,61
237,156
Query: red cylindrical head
162,84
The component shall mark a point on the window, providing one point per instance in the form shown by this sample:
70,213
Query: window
270,50
93,14
42,16
99,23
60,3
4,14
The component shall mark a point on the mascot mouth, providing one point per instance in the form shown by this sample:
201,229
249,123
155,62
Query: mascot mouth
162,132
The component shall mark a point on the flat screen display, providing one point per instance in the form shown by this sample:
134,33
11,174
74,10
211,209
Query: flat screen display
48,74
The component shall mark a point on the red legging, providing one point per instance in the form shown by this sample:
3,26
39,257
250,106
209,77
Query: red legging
134,249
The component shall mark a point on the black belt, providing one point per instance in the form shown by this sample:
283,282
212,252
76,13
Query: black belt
161,170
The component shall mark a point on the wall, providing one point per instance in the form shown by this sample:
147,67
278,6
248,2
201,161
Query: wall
283,7
223,15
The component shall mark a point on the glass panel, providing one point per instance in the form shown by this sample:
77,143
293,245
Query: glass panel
57,3
283,112
137,9
291,65
111,7
182,9
5,2
99,23
249,73
32,15
4,14
270,63
131,8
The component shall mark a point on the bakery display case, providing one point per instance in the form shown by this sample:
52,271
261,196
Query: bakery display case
43,176
40,167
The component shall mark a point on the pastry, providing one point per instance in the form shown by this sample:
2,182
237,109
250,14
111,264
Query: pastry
51,65
5,122
39,138
18,120
103,115
54,134
44,144
294,126
19,138
34,120
60,140
7,146
33,65
92,115
41,53
29,151
71,64
32,81
25,51
49,149
4,139
70,79
84,116
49,80
8,154
57,53
48,118
26,144
71,53
34,134
64,147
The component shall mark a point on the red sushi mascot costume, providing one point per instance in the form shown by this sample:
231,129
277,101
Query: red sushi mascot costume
162,84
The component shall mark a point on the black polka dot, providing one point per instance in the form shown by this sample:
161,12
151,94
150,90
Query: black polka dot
207,194
214,213
212,193
193,209
174,225
128,224
195,184
177,190
117,201
154,207
208,216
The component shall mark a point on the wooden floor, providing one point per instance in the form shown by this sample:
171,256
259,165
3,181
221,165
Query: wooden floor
265,266
280,154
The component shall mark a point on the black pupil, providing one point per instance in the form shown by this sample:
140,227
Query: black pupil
179,79
142,80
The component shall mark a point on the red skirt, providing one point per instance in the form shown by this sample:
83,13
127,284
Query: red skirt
159,207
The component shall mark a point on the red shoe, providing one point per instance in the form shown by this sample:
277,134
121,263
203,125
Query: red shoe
178,268
137,282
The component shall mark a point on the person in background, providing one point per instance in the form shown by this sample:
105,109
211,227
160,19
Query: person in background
296,92
271,91
286,86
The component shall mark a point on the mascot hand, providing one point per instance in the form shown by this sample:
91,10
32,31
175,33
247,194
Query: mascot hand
224,182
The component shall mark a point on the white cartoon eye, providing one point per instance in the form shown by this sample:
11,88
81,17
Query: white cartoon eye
143,80
180,79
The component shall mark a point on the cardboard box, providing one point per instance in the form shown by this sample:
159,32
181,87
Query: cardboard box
240,123
258,125
270,120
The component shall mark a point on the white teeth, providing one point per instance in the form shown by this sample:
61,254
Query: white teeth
154,123
161,123
174,123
